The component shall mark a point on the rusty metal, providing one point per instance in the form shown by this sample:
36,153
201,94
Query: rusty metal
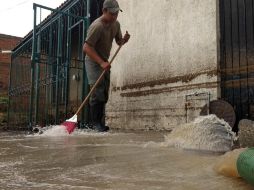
222,110
193,102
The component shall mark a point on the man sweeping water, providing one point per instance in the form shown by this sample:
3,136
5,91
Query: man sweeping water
98,44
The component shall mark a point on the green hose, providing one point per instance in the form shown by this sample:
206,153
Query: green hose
245,165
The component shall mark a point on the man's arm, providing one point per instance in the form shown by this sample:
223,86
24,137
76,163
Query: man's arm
88,50
124,40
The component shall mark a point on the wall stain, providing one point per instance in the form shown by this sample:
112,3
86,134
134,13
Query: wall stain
184,79
169,89
172,109
149,116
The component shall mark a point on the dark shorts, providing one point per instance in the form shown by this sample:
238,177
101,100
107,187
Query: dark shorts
93,71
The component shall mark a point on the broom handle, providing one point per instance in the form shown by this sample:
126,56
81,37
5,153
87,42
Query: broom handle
97,82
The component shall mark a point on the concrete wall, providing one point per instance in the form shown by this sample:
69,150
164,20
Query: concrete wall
173,51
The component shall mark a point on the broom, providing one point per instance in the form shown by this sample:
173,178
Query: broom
71,124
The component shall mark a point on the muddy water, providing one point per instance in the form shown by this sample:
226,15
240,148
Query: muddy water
115,160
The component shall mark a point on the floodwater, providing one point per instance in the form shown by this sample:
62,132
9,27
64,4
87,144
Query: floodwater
113,160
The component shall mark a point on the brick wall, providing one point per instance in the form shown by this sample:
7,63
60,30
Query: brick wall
6,43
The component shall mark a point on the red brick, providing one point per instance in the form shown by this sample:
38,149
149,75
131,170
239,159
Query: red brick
7,42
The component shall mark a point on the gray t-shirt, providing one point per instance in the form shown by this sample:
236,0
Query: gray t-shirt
100,36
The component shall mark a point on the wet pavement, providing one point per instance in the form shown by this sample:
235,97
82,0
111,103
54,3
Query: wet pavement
114,160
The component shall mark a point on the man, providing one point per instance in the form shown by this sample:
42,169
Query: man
100,36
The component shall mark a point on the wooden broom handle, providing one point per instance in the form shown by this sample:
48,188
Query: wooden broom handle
97,82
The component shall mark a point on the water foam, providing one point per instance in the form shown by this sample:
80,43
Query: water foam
53,131
60,130
208,133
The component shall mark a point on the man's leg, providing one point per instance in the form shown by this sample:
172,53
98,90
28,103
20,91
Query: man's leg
97,107
98,99
106,95
96,111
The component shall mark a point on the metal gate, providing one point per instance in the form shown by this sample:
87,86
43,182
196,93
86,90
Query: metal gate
47,79
237,55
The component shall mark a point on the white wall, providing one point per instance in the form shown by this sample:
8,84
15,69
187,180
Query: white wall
173,51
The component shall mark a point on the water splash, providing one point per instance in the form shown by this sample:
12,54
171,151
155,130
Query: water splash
208,133
60,131
226,164
53,131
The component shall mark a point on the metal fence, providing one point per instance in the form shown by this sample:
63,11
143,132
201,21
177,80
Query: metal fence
47,80
237,55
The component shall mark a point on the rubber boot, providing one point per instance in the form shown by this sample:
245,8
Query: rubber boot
104,117
96,117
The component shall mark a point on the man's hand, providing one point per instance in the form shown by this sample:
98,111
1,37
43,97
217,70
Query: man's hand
105,65
126,37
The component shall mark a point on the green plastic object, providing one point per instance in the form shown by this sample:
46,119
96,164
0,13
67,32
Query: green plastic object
245,165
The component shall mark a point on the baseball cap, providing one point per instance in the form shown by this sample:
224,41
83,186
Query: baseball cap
112,6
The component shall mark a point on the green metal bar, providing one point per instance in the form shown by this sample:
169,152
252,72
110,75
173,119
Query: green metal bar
85,86
67,69
38,71
76,24
47,67
88,14
17,51
34,48
84,113
37,82
59,56
58,11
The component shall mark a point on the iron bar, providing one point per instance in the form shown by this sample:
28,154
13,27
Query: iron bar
47,67
58,11
37,83
59,58
85,86
17,51
34,48
68,59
